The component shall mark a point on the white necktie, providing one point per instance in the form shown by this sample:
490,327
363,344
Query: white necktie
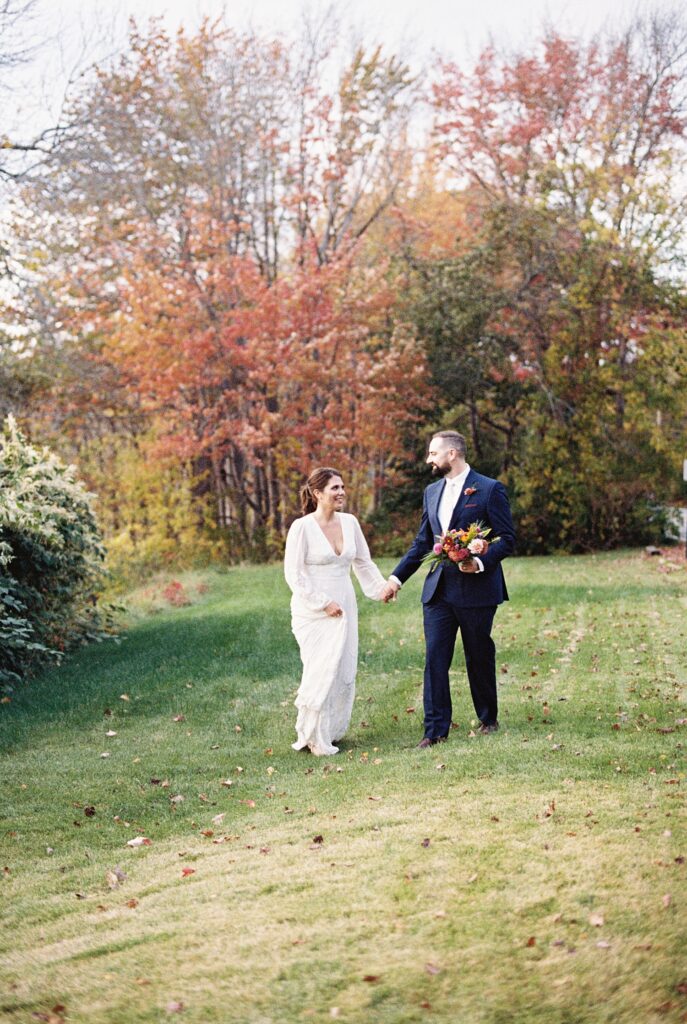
448,503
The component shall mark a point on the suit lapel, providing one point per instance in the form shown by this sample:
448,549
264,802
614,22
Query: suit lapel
433,500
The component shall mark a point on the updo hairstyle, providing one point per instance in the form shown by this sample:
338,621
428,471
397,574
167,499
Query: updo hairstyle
317,481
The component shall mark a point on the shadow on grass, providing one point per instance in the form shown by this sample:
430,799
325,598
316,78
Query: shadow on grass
197,655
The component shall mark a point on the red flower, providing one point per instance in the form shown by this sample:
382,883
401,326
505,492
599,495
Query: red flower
469,490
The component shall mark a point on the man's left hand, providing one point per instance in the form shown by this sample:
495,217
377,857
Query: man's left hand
468,565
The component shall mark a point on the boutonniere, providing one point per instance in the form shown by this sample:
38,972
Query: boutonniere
469,490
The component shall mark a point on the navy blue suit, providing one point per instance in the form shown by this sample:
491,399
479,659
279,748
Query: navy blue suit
453,600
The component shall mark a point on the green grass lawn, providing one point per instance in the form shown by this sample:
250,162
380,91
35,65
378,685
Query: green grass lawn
536,875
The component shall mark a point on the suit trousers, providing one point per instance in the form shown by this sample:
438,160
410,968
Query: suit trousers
442,620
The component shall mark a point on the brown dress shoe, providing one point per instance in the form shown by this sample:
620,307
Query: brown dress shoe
427,742
484,730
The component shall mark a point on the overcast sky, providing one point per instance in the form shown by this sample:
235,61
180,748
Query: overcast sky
73,32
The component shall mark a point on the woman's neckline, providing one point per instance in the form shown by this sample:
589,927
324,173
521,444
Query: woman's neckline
338,554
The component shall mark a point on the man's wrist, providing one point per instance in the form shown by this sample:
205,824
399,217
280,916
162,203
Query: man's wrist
395,580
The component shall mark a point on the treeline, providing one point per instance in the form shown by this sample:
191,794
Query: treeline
247,256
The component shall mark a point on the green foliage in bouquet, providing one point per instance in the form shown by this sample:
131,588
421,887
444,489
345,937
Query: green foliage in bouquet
51,559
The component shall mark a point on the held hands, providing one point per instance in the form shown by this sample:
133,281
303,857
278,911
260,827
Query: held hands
389,592
334,610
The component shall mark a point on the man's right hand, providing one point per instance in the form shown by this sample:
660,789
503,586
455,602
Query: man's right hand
389,592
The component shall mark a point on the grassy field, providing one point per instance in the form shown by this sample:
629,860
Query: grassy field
536,876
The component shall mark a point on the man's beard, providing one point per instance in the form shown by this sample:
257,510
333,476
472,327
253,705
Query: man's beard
441,470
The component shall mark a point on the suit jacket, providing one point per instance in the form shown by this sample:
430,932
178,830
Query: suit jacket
488,505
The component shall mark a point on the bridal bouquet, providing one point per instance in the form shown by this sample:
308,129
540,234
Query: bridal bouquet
458,545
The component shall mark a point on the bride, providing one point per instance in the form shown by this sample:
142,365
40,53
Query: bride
321,547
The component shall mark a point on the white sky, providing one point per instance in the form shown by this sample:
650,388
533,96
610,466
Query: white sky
73,33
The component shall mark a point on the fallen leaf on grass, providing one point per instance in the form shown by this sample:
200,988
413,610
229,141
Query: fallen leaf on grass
179,718
139,841
371,977
112,880
124,696
174,1007
218,818
110,732
132,903
531,941
207,832
550,810
602,944
105,753
227,782
425,843
248,803
185,872
432,969
596,920
374,798
667,900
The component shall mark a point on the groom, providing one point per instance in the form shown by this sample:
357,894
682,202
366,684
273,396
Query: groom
462,596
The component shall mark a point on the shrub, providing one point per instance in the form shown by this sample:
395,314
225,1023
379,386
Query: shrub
51,559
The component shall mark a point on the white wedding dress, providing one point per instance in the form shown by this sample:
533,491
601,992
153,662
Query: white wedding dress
328,646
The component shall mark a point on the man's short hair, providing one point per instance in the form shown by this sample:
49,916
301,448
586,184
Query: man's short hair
453,440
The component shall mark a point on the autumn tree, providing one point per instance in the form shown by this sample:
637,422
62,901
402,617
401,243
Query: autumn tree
203,288
569,302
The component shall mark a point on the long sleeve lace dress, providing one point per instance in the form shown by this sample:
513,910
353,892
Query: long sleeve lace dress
328,646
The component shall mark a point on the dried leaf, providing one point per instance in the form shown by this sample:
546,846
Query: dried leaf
425,843
596,920
179,718
89,812
139,841
667,900
371,977
185,872
132,904
218,818
432,969
112,880
531,941
318,839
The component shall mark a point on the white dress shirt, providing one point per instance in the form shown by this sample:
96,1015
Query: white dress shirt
449,497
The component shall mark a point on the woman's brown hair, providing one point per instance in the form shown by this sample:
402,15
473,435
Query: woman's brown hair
317,481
